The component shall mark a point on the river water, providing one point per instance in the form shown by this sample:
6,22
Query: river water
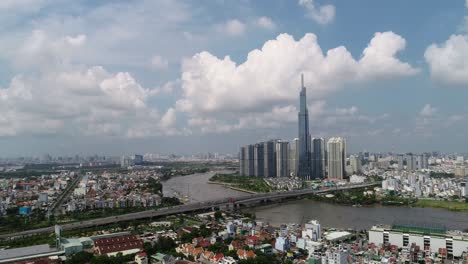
301,211
197,189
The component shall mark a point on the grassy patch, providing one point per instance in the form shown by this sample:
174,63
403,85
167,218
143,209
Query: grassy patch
253,184
453,206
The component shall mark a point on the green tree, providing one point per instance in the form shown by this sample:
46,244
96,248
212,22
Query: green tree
218,215
164,245
80,258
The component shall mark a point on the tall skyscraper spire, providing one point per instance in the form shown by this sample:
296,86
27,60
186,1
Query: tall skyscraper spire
302,80
304,164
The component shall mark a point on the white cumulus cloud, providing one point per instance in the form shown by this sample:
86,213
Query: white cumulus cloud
220,95
265,22
271,75
321,14
448,62
41,51
232,27
62,98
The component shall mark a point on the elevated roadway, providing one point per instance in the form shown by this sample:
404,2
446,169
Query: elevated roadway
192,207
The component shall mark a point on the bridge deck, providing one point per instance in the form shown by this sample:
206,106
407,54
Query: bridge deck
180,209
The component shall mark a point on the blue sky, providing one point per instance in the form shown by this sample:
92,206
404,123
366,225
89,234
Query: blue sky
113,77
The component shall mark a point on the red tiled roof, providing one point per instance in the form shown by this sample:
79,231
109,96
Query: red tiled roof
218,256
251,254
114,240
116,244
197,251
237,244
207,254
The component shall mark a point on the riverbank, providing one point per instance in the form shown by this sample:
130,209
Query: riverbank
227,185
351,199
355,217
449,205
355,198
243,183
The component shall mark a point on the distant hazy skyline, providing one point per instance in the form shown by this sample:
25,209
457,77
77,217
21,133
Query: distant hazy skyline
113,77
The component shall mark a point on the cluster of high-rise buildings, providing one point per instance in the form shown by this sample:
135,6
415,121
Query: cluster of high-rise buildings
414,162
305,157
266,159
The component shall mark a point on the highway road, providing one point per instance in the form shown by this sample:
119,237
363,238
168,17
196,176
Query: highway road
182,209
55,208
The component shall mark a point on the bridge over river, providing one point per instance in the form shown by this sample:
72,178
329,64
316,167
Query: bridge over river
187,208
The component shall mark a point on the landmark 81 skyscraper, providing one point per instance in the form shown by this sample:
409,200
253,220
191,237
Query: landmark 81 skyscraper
304,166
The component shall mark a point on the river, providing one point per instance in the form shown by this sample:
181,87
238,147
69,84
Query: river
301,211
197,189
331,215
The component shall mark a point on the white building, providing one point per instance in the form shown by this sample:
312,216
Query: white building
355,163
336,148
282,244
282,159
312,231
464,189
335,256
431,239
228,260
400,159
293,157
357,179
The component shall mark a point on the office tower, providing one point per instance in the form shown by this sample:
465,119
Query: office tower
304,167
419,162
137,159
126,161
366,155
242,156
400,159
259,158
424,161
410,162
318,158
269,161
355,163
282,159
293,157
336,148
249,158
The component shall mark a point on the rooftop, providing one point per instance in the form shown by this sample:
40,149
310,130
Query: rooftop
26,251
419,227
337,235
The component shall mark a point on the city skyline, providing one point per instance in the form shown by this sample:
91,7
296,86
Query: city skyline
233,132
181,79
